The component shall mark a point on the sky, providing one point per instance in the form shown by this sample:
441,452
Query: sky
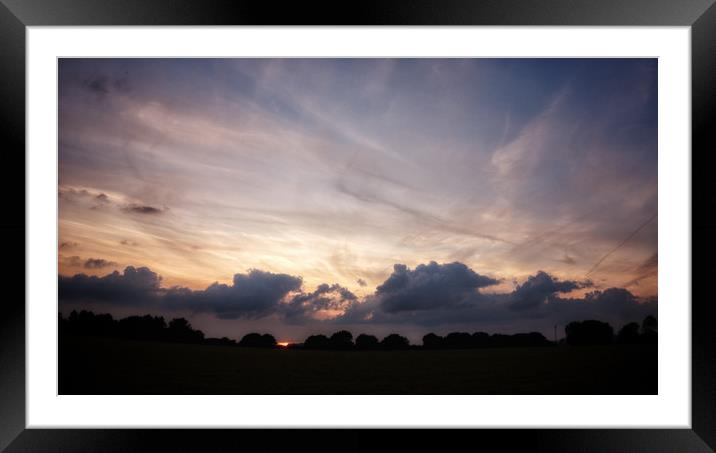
302,196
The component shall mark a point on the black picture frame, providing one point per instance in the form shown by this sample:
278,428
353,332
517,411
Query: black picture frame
16,15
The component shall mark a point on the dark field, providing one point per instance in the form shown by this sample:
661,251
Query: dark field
93,365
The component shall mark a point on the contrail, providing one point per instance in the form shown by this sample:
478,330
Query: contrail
596,265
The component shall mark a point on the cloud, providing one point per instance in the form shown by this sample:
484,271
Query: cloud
71,261
539,287
617,305
429,295
134,287
647,269
650,263
89,263
361,283
68,245
98,84
251,295
94,199
325,297
429,286
101,85
435,295
142,209
98,263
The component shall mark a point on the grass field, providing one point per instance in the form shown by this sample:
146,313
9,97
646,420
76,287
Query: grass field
89,365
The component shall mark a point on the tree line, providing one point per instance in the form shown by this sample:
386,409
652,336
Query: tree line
147,327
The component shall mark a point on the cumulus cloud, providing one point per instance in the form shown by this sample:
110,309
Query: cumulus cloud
537,301
326,297
429,286
429,295
539,287
251,295
135,286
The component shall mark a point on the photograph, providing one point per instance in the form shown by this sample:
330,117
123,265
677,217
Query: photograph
357,226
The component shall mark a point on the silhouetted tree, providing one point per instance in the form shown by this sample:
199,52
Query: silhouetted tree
395,341
223,341
649,330
87,323
528,340
432,341
649,323
458,340
341,340
268,340
366,342
317,342
629,334
143,327
498,340
180,330
588,332
480,340
256,340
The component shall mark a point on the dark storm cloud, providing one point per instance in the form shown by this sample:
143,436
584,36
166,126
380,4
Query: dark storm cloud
539,287
429,286
142,209
98,263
